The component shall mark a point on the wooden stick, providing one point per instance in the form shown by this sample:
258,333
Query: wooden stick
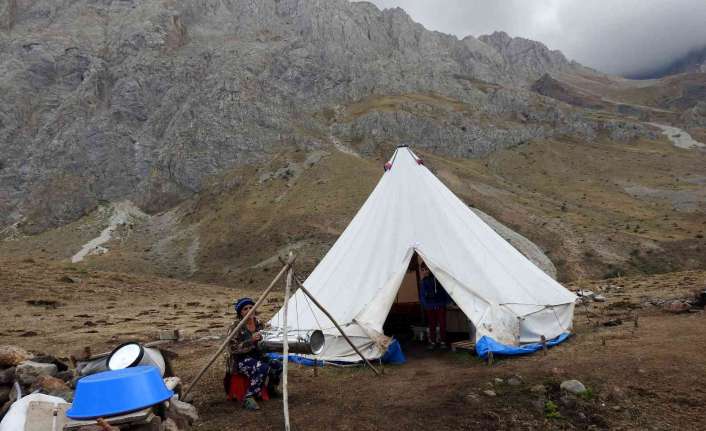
259,302
321,307
544,344
285,347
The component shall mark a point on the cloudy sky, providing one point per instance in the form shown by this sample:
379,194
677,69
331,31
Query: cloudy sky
614,36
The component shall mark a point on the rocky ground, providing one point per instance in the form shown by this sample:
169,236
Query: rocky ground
647,375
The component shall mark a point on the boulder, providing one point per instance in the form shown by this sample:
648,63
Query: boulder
172,383
568,401
170,425
170,335
11,356
599,298
49,359
184,410
52,386
7,376
538,389
514,381
4,394
470,398
676,307
27,372
489,393
573,387
66,376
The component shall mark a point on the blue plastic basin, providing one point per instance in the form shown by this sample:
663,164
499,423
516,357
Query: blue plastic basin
117,392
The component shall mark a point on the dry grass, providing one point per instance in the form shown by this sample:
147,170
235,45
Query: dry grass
649,377
597,208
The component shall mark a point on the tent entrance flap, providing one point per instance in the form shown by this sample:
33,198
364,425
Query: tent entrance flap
406,320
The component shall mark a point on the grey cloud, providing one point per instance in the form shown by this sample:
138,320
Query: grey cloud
615,36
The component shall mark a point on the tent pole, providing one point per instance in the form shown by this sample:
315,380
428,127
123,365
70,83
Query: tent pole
321,307
230,336
285,347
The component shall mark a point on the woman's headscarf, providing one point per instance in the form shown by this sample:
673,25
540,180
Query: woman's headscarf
242,302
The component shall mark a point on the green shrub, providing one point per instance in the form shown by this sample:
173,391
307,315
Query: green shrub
586,395
551,410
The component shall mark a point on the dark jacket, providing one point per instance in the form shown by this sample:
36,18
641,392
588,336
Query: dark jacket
432,294
242,344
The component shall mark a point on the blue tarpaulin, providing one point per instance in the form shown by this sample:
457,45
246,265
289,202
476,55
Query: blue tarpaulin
487,344
393,355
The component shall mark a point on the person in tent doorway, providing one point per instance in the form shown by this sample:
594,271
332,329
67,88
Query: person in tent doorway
434,300
245,358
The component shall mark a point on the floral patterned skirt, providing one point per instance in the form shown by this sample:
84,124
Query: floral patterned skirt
257,370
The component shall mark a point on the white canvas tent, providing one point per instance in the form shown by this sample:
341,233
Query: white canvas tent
504,295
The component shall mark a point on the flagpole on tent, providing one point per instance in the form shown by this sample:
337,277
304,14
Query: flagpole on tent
230,336
321,307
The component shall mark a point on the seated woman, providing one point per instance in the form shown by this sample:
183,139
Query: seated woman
244,357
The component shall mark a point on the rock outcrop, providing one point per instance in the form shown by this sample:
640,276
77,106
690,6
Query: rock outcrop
145,100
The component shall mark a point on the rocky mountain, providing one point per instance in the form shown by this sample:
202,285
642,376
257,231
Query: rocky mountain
233,125
529,58
144,100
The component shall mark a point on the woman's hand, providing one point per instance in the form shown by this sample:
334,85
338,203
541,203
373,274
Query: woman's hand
256,337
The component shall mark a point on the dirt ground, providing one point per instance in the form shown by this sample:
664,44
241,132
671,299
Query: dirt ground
649,376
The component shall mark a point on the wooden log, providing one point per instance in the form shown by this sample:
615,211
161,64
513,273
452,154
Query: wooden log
285,347
348,340
259,302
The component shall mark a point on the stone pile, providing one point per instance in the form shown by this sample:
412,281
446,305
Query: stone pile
22,373
692,304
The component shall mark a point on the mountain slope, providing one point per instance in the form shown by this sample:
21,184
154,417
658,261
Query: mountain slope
241,128
146,99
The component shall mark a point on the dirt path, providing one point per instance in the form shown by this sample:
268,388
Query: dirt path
679,137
